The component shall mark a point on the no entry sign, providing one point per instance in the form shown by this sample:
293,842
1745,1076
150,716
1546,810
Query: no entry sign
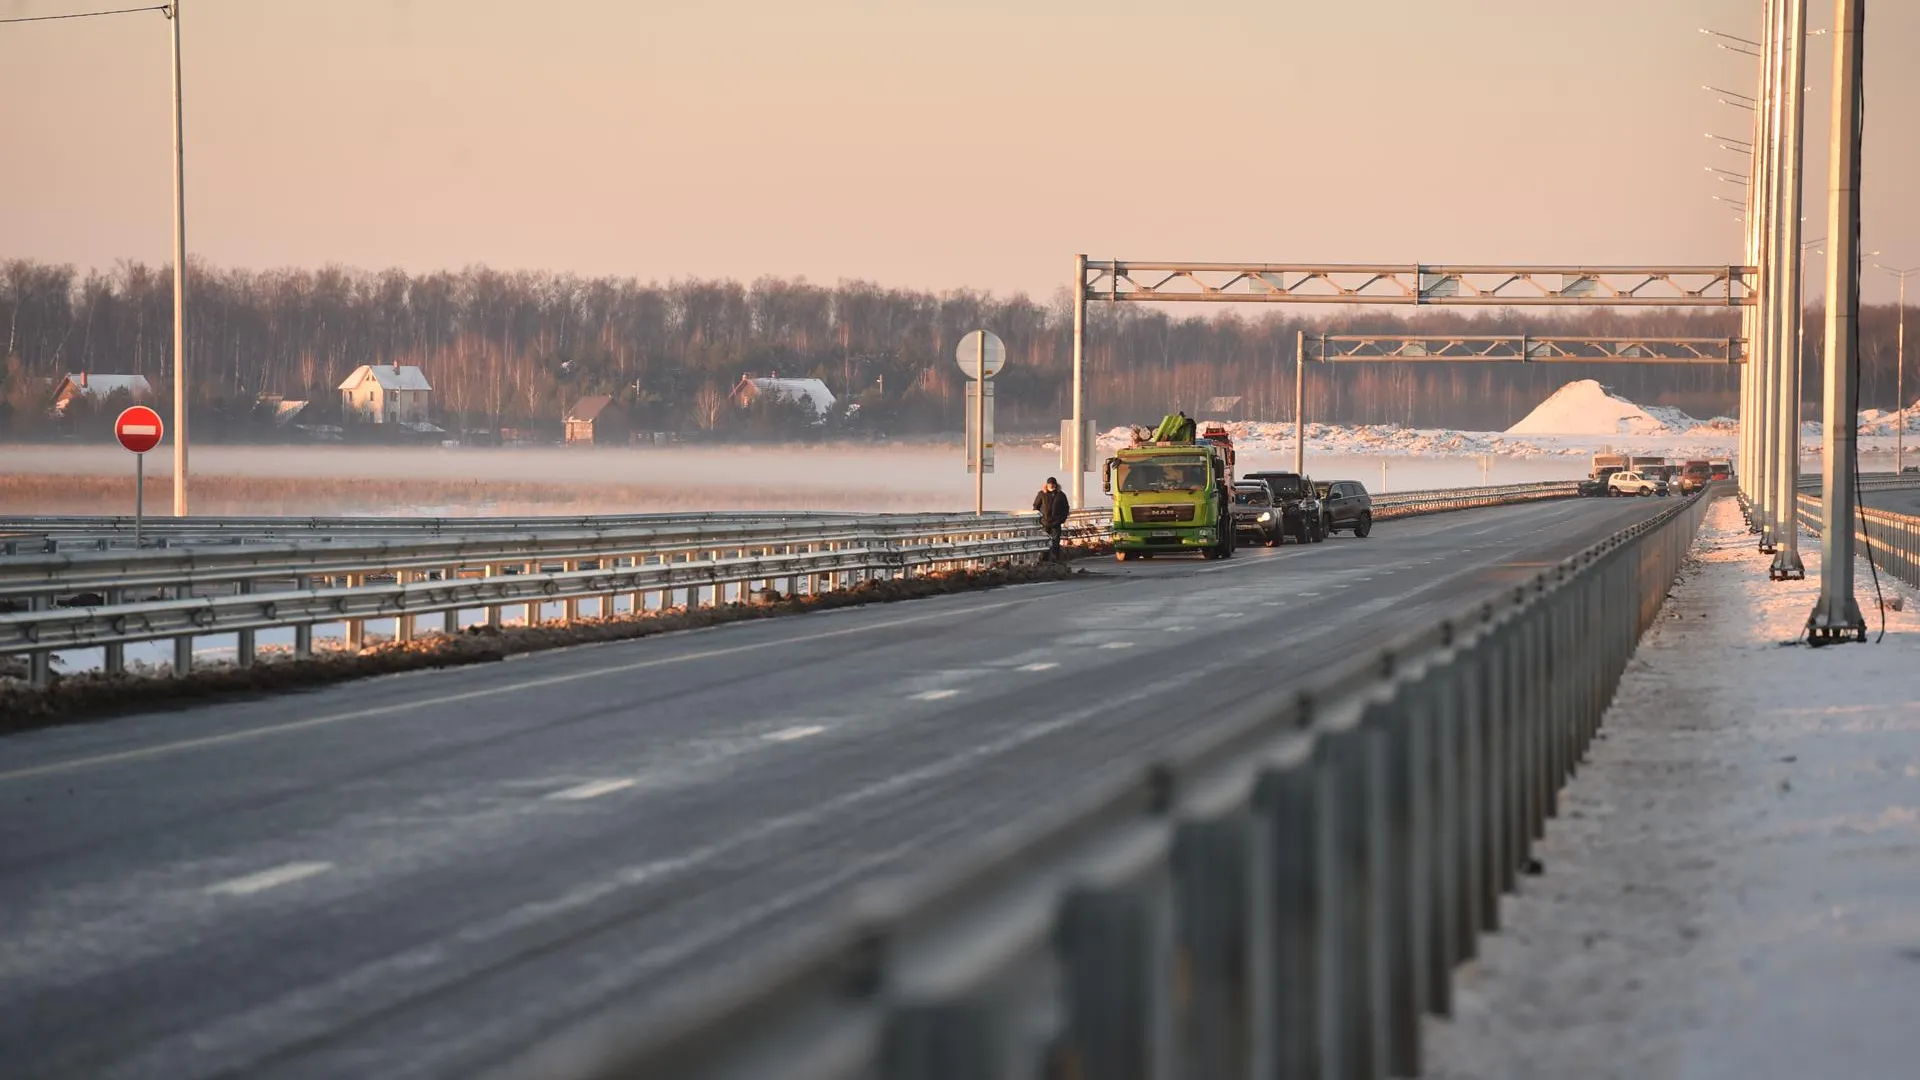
139,429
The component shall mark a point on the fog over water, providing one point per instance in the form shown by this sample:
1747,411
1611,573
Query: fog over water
900,477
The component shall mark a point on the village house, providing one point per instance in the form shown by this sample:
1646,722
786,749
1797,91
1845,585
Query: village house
809,392
596,419
95,387
385,394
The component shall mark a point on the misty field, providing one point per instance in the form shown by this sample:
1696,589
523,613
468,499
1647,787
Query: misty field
305,481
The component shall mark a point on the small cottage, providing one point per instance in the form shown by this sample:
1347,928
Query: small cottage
596,420
385,394
809,392
97,388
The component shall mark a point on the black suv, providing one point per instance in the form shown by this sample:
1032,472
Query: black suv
1348,506
1302,514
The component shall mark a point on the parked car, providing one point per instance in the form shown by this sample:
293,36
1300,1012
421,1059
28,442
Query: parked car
1303,515
1348,507
1633,483
1256,513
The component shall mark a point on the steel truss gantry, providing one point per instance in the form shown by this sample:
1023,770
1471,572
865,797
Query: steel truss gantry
1495,286
1118,280
1529,348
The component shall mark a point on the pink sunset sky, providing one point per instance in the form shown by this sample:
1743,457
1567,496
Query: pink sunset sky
910,142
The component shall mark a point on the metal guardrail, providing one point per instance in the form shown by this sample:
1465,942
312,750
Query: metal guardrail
1892,539
1286,893
110,598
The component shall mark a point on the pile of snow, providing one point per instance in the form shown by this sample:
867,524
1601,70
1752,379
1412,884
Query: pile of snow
1584,407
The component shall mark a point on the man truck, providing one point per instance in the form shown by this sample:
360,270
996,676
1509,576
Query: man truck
1172,493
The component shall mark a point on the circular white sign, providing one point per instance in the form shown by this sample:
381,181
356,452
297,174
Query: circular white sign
967,354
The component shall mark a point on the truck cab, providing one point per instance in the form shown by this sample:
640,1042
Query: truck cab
1171,497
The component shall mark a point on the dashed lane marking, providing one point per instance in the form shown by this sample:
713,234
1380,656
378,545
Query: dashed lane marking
1118,645
270,879
1045,665
934,695
592,789
792,733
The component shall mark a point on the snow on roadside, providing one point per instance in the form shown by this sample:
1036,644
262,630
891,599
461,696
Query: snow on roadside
1729,889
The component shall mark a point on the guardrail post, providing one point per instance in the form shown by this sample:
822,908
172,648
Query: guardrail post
1402,789
182,645
1213,879
1114,940
356,628
1294,805
403,622
244,640
40,661
1436,702
1477,891
114,658
570,607
303,633
495,615
450,618
1353,1029
531,618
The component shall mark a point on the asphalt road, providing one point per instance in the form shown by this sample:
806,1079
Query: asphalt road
410,876
1897,500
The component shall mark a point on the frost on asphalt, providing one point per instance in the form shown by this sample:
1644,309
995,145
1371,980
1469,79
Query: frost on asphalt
1732,888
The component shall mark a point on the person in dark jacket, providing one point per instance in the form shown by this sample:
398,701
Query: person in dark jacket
1053,508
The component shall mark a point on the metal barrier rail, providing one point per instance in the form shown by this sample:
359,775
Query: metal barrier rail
92,571
408,585
1285,893
1892,538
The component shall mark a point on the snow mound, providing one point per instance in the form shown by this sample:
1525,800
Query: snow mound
1584,407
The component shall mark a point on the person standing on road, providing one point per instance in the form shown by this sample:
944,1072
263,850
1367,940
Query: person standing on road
1053,508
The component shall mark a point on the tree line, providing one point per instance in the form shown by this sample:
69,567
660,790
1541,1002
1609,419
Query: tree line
515,349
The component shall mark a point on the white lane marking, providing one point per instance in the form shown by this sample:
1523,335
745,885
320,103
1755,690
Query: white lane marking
1045,665
934,695
270,879
592,789
1309,594
469,695
792,733
1271,603
1118,645
1176,629
1231,615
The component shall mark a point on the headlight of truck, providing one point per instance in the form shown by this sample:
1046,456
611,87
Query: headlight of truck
1266,515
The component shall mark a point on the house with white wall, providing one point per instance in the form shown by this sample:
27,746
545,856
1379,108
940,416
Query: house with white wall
386,394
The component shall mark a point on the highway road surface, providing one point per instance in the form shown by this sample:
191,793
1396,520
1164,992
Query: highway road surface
415,875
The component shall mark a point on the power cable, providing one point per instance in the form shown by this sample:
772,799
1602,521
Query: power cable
85,14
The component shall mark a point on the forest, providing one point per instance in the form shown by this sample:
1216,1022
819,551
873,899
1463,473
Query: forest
515,349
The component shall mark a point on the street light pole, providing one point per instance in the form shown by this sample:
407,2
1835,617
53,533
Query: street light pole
1787,565
1899,368
179,281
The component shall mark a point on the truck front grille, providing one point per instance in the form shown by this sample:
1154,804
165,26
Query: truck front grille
1156,514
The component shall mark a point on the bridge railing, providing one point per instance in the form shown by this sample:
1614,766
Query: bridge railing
107,597
1891,539
1286,892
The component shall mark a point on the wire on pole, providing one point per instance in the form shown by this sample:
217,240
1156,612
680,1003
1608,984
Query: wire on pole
84,14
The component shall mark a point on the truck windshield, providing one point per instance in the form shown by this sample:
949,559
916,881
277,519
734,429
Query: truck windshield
1174,475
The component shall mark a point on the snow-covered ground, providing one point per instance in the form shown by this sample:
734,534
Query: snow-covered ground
1730,889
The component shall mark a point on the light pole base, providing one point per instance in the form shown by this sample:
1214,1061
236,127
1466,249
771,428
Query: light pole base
1824,630
1787,567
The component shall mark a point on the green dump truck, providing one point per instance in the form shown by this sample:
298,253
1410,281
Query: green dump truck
1172,493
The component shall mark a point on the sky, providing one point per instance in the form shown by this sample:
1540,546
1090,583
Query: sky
917,143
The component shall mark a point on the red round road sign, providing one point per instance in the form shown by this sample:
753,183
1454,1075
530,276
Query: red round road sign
139,429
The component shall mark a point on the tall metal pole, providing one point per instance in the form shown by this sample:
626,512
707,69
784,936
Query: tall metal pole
980,425
1769,433
1900,382
1300,401
1078,458
1836,615
179,282
1786,558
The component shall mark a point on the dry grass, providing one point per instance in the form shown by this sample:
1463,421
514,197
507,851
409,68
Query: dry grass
216,495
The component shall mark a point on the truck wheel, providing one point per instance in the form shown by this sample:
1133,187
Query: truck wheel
1364,525
1322,529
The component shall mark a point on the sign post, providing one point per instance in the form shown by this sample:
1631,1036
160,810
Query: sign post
981,355
139,429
